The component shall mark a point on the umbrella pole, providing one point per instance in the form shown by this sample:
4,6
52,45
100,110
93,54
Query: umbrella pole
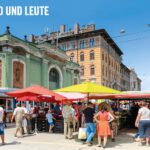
36,130
87,97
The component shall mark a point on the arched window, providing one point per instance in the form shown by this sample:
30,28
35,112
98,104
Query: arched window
91,55
81,56
18,74
53,79
72,57
92,70
82,70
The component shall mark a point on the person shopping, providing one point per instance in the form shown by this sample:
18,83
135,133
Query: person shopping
103,127
2,125
87,117
143,123
67,115
50,118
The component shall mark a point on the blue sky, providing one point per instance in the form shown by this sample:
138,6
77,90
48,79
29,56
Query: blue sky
132,15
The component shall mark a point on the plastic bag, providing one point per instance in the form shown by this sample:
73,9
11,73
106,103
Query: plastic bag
82,134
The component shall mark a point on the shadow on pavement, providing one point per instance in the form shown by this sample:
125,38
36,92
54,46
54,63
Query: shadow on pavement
11,143
29,135
125,137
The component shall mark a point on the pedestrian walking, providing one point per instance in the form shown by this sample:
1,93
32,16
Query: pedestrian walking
18,115
68,125
143,123
2,125
103,125
73,118
50,118
87,117
24,121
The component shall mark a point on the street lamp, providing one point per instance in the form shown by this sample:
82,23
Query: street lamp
122,31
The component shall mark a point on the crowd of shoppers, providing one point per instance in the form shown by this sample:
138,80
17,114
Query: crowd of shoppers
100,122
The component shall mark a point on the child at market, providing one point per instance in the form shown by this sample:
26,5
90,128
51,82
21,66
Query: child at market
50,118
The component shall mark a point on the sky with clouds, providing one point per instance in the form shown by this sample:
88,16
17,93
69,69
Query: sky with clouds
112,15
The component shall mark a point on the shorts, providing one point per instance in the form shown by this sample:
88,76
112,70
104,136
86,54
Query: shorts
1,129
51,124
18,123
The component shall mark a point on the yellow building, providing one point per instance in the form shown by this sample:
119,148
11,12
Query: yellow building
98,55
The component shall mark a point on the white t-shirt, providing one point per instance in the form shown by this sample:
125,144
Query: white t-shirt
145,113
25,110
18,113
1,114
73,112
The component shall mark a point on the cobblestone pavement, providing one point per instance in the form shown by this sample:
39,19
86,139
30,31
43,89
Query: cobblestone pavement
43,141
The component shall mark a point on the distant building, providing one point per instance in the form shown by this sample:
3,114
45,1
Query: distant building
94,50
135,81
125,78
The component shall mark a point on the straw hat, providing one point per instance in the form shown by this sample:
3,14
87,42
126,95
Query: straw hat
100,106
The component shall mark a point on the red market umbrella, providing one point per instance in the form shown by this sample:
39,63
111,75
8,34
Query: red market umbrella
37,98
36,92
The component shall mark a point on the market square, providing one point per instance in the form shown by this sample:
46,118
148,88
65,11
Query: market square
74,74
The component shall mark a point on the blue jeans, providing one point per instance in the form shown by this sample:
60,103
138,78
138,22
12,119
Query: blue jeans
144,128
90,129
1,129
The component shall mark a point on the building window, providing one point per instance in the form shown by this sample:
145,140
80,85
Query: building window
91,55
82,70
72,57
106,58
53,79
72,45
92,70
75,81
64,47
106,71
102,56
92,42
81,44
103,70
81,56
109,61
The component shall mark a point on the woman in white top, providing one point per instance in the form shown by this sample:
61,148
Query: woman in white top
143,122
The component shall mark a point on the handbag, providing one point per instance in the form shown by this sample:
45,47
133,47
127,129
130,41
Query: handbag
82,134
71,125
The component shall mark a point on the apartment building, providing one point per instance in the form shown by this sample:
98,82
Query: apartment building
99,57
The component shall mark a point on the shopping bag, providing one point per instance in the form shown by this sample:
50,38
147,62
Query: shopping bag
82,134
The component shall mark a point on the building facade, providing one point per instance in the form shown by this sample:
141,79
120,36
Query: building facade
23,64
125,78
94,50
135,81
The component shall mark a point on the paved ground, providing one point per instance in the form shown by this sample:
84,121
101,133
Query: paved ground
45,141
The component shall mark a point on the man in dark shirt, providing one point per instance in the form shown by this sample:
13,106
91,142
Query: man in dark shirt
88,114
